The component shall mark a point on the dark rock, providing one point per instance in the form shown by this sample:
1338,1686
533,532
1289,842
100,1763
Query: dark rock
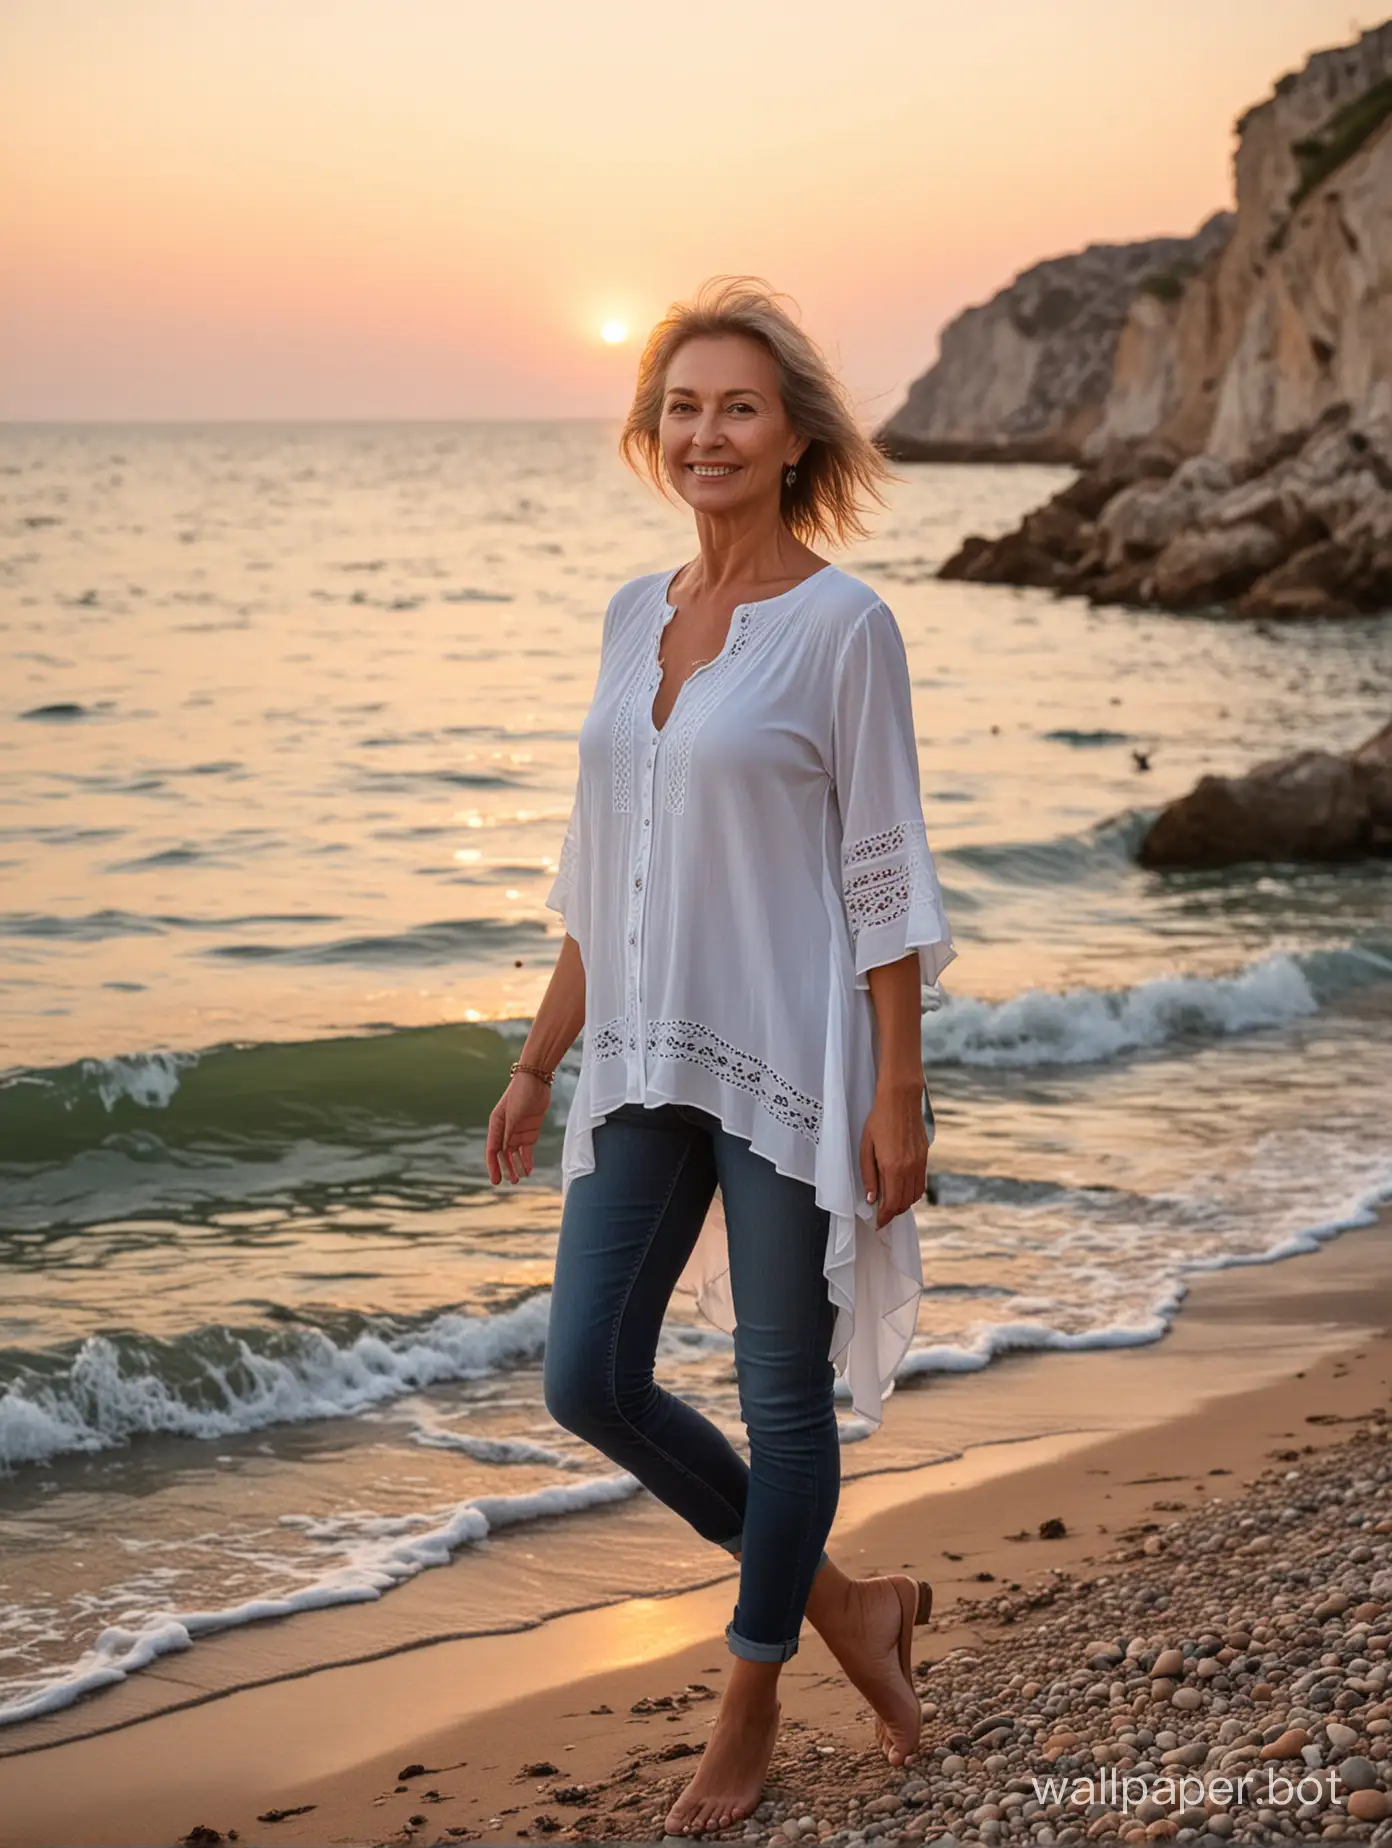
1306,534
1213,564
1316,805
1311,582
1015,559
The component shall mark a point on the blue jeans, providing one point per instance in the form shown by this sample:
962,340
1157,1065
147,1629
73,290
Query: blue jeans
627,1231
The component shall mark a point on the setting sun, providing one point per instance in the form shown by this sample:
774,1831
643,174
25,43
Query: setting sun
613,333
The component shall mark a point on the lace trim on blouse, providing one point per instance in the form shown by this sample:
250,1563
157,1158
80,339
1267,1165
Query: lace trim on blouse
689,1043
699,705
623,751
885,892
568,864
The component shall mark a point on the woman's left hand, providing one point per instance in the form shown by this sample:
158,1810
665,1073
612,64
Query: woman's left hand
894,1151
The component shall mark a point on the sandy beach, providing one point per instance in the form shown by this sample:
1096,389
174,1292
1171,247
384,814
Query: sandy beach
584,1727
404,418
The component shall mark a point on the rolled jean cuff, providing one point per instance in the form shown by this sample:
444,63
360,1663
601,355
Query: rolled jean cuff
734,1546
758,1652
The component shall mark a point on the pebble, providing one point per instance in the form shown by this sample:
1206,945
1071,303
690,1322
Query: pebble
1358,1774
1244,1642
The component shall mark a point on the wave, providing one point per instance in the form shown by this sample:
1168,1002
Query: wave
262,1095
372,1555
997,1338
217,1381
94,926
449,941
368,1090
220,1382
1098,853
1086,1026
1087,739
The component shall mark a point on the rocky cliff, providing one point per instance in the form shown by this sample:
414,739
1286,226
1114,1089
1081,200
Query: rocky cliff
1293,313
1244,448
1025,376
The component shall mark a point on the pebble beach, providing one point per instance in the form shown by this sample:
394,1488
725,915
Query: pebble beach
1169,1620
1223,1678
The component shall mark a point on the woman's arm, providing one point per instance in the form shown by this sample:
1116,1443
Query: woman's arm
561,1013
894,1143
516,1118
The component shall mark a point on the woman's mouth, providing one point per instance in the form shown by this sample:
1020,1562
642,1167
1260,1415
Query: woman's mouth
712,471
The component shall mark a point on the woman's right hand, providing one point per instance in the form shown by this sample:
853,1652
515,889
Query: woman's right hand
515,1124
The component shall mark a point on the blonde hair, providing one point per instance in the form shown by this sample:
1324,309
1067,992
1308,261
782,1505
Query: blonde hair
840,467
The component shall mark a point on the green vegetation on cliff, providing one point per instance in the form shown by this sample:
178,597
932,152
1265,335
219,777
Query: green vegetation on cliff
1341,137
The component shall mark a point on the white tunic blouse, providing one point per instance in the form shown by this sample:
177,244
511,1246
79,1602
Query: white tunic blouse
730,880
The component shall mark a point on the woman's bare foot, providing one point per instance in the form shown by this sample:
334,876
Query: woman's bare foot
730,1778
861,1622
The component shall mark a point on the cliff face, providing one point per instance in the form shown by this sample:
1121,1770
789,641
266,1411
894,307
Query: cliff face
1025,376
1294,313
1244,451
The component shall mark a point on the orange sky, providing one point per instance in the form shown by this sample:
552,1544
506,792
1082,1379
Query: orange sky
426,208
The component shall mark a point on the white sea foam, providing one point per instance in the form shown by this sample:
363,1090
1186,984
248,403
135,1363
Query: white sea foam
1359,1208
149,1079
1087,1026
106,1397
111,1393
373,1553
491,1449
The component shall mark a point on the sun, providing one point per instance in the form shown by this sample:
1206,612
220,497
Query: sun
614,333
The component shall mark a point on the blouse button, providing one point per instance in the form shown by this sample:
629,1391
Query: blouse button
638,883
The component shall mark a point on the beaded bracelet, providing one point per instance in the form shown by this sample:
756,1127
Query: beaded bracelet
533,1071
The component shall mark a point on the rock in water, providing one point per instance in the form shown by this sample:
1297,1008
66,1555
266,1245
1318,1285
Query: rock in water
1316,805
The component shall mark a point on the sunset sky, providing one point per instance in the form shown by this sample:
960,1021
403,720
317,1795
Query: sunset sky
428,208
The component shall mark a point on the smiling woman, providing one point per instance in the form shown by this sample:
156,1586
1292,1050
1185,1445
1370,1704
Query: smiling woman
831,468
753,921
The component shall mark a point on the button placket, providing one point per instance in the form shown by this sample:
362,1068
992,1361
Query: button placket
637,904
646,786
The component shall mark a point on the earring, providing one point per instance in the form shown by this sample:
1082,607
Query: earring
791,475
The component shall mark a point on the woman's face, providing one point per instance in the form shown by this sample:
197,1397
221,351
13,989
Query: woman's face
725,436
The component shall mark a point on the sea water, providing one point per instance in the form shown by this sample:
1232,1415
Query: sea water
288,747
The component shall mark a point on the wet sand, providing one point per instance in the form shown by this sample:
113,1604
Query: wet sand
1262,1359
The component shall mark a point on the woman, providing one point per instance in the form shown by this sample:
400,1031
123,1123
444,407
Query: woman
752,916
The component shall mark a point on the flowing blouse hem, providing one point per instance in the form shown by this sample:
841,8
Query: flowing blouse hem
866,1349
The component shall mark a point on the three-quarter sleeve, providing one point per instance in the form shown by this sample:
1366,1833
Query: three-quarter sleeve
888,880
561,897
575,847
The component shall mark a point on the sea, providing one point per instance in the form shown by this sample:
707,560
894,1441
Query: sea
287,748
